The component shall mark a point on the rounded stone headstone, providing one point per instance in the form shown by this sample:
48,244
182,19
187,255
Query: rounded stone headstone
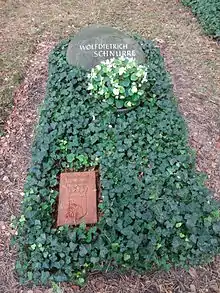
94,44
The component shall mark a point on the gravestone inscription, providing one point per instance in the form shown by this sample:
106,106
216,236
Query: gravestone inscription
98,43
77,198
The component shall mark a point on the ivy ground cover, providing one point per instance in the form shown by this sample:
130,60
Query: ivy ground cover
156,211
208,13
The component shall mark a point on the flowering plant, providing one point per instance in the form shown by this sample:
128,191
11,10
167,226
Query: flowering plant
120,82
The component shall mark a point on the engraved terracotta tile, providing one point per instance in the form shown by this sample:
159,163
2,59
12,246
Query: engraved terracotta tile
77,198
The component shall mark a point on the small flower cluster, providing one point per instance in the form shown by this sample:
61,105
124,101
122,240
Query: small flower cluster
120,82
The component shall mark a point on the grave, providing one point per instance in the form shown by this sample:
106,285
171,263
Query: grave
155,210
94,44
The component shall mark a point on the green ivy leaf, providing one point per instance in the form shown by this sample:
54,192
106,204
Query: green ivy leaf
134,77
178,225
126,257
82,251
70,158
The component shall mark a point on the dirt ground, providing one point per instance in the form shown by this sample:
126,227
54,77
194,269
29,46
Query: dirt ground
29,31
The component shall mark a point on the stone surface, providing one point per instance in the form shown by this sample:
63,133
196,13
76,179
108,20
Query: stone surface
77,198
94,44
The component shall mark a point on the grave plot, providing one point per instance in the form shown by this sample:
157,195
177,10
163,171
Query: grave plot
153,209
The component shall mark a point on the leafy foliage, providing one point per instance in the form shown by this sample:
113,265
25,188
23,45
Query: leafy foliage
119,82
208,12
156,210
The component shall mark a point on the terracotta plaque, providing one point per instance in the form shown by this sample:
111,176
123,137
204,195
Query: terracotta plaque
77,198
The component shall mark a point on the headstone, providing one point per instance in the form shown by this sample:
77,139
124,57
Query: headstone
94,44
77,198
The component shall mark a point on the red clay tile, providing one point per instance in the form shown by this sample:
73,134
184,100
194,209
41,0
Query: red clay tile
77,198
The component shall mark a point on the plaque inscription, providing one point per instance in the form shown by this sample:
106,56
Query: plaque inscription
77,198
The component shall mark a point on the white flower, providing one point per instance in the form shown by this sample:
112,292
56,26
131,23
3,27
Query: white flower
101,92
141,92
108,61
134,89
145,77
121,70
110,126
139,73
116,91
93,74
90,86
129,104
115,84
98,67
